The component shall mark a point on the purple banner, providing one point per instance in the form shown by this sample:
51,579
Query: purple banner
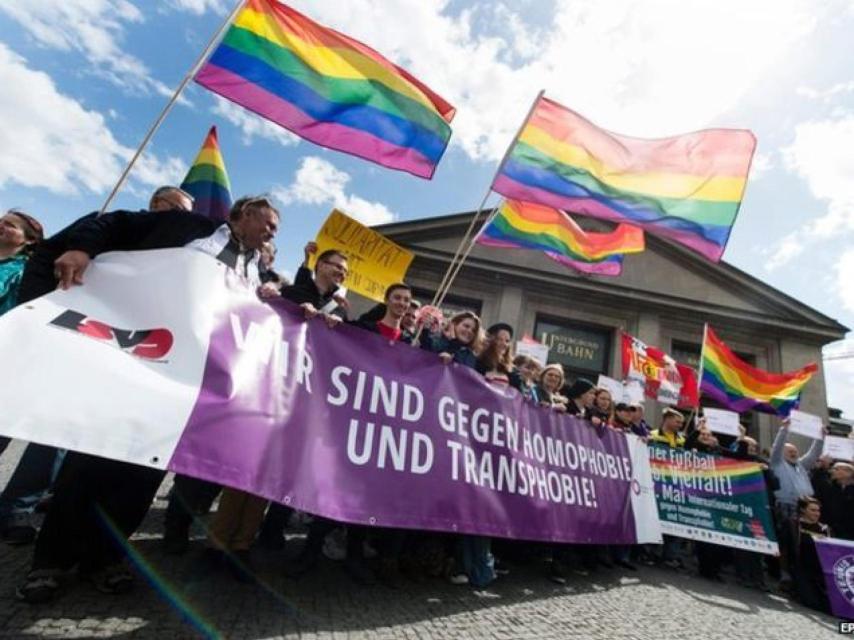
344,424
837,563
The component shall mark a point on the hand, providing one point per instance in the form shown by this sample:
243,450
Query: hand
309,310
268,290
595,421
310,248
560,408
342,302
446,357
331,321
785,423
69,267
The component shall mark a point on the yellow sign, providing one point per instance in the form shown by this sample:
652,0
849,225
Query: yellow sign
374,261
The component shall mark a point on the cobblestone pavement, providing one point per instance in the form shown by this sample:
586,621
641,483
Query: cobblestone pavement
652,604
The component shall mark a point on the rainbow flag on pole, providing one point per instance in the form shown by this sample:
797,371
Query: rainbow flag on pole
524,225
328,88
740,387
687,188
207,181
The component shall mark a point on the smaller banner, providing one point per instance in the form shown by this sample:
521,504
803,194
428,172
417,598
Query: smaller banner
374,261
712,499
663,378
837,564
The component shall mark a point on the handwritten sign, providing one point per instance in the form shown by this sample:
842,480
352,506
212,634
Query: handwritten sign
722,421
839,448
374,261
612,386
535,350
806,424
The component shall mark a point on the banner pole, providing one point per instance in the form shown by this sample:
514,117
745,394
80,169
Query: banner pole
447,279
165,111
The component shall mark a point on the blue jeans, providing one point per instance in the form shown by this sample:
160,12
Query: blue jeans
475,557
32,478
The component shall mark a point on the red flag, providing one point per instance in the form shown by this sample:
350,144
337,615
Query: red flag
663,378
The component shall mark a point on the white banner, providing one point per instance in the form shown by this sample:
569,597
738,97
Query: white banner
144,353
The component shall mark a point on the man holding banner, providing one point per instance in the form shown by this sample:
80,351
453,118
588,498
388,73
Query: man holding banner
96,499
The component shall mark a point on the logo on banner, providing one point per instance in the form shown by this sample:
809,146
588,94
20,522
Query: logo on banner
148,344
843,576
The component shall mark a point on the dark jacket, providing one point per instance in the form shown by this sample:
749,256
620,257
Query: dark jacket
304,290
837,504
116,231
440,344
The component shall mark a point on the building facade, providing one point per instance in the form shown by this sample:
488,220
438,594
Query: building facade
664,296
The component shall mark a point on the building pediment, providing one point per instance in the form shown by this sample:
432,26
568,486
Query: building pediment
665,276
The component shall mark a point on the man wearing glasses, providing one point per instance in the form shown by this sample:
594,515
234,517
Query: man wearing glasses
90,489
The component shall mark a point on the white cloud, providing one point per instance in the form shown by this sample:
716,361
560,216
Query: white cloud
251,125
199,7
57,144
821,155
760,166
829,94
844,279
786,250
95,28
645,69
318,182
839,375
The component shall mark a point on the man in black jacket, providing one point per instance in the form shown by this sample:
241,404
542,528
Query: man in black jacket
98,500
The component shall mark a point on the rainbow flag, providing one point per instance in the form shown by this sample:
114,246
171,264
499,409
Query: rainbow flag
328,88
740,387
687,188
207,181
524,225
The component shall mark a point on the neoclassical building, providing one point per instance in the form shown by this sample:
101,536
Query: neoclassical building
664,296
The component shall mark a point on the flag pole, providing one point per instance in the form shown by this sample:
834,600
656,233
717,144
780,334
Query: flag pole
449,277
700,372
165,111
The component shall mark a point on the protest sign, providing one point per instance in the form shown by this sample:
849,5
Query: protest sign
374,261
839,448
837,564
188,371
535,350
614,387
722,421
634,392
806,424
712,499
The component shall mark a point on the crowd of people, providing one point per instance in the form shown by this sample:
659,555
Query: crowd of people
93,505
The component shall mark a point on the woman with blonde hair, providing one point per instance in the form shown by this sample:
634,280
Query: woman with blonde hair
459,341
551,383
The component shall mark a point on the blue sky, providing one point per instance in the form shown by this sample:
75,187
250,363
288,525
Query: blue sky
85,78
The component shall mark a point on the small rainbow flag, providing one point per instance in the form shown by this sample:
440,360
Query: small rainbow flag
328,88
740,387
687,188
524,225
207,181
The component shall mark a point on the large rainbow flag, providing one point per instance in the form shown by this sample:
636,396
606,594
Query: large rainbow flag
687,188
525,225
207,181
328,88
740,387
